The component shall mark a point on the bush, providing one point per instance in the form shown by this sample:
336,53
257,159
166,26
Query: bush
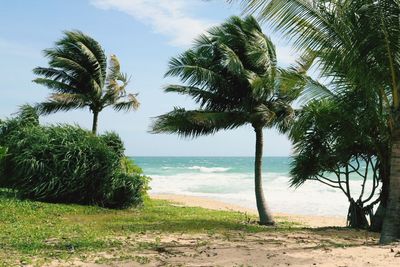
113,141
3,154
27,117
69,165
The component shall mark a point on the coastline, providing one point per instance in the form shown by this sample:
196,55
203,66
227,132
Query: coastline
312,221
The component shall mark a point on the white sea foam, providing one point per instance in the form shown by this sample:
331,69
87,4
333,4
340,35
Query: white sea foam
209,169
167,168
312,198
232,180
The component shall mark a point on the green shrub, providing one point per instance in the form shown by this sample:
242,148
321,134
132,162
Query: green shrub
131,186
27,117
129,167
67,164
3,154
114,142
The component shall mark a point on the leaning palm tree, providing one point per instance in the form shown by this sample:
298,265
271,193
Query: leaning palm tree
356,42
232,73
79,77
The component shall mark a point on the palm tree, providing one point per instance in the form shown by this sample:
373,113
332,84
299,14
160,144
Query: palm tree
79,77
356,43
232,73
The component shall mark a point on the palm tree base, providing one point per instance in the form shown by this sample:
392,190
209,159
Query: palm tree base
267,223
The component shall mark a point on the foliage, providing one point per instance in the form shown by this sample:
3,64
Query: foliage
336,142
232,73
69,165
113,141
354,46
3,154
131,186
79,77
26,117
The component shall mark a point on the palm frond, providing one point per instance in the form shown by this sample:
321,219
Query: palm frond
314,90
299,20
230,60
116,88
61,102
130,102
55,74
57,86
61,59
193,123
114,69
262,87
206,99
261,53
194,69
93,52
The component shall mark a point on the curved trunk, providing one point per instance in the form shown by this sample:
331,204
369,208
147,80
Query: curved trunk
263,210
356,216
95,119
391,222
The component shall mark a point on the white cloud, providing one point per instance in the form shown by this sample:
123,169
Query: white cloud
168,17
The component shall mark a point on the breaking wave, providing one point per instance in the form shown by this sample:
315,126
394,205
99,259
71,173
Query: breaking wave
209,169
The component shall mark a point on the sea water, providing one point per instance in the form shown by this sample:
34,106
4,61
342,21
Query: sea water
231,180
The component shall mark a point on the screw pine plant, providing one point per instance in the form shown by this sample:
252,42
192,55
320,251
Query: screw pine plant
67,164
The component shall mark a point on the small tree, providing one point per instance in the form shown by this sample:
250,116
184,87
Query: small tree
79,77
336,143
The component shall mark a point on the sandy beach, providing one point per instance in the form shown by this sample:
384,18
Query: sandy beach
208,203
321,241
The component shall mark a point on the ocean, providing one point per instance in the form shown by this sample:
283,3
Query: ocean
231,179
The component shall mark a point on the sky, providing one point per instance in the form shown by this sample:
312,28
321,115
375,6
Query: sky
144,35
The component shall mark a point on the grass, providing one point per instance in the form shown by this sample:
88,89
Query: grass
36,232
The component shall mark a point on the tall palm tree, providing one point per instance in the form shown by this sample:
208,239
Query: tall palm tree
232,73
79,77
357,42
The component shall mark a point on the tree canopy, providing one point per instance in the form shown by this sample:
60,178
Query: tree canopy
80,77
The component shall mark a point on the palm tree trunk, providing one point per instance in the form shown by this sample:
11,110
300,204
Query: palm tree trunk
95,119
263,210
391,222
379,215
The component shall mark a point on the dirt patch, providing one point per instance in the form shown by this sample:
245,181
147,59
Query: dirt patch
301,247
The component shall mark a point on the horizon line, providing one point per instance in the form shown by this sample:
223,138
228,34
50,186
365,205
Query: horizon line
176,156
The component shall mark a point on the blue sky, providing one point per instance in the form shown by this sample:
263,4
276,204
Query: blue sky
144,34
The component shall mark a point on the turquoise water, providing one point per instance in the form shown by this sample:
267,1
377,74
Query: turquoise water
231,179
171,165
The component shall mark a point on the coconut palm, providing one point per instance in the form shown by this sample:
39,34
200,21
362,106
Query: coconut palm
79,77
361,38
232,73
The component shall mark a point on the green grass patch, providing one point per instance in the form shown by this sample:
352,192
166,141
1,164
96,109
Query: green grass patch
58,231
